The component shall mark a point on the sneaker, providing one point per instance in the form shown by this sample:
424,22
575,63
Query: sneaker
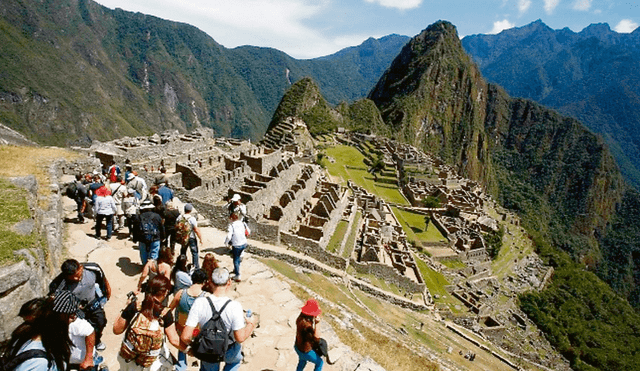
101,346
237,279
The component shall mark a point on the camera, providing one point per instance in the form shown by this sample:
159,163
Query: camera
131,296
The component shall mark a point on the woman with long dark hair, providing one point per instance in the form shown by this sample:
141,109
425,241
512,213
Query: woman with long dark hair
162,267
48,332
180,274
151,308
208,265
308,336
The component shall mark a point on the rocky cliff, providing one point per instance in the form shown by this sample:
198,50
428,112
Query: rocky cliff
434,97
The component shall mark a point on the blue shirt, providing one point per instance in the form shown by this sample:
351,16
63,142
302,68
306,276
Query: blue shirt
35,364
166,193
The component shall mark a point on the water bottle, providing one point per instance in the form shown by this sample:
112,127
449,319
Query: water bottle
249,313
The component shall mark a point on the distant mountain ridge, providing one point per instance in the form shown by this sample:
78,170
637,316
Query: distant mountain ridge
72,71
593,75
555,173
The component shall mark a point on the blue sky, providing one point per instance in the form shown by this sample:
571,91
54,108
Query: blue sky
308,29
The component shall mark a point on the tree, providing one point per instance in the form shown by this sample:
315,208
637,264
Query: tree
378,166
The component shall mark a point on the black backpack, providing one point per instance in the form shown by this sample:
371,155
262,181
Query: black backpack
10,363
149,229
214,338
71,190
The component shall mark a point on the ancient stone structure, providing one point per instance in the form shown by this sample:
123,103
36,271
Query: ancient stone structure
382,247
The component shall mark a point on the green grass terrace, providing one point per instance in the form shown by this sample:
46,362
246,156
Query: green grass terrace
349,164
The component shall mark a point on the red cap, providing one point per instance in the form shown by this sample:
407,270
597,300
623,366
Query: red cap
311,308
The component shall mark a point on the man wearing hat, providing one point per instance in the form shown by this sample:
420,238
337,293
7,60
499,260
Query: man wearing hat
232,315
81,332
148,231
138,184
195,232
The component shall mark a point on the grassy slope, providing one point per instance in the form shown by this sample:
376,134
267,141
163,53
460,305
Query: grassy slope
349,165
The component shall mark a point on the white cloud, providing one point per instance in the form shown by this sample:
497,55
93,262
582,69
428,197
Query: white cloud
523,5
582,5
280,24
398,4
550,5
626,26
499,26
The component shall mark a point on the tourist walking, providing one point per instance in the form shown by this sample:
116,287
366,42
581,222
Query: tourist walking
47,335
236,206
189,221
131,207
180,276
105,209
138,184
308,336
82,334
170,216
148,231
81,280
182,303
161,266
118,192
79,196
143,346
232,315
237,233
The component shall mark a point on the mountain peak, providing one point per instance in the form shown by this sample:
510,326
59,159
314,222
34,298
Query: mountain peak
596,29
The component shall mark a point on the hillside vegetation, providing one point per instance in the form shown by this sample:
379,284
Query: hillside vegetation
73,71
593,75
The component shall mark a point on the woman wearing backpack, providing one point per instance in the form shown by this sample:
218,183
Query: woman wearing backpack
182,302
47,334
143,341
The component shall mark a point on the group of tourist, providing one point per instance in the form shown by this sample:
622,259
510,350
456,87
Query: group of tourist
64,330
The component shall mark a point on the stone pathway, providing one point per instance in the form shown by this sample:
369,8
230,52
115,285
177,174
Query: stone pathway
261,290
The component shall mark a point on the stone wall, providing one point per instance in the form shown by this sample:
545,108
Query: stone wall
30,277
264,198
389,274
291,211
313,250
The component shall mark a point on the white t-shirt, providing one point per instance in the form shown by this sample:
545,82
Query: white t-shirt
200,313
78,331
236,233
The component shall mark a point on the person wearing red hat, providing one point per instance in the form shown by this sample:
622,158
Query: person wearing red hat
308,336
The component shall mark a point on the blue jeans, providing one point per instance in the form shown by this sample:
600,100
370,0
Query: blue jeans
109,221
232,360
182,362
237,251
193,246
149,252
310,356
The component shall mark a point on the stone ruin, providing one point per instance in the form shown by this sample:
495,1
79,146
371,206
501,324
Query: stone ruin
382,248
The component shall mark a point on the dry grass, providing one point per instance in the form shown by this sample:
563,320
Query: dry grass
22,161
389,353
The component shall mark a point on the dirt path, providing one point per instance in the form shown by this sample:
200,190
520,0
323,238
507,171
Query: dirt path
260,290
